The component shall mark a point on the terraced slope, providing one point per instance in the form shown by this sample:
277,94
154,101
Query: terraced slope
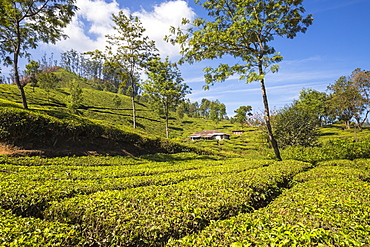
127,201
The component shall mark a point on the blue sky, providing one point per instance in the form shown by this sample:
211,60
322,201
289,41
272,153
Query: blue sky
334,45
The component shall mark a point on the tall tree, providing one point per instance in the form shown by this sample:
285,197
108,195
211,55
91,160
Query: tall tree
242,113
242,29
314,102
32,71
183,108
217,111
345,100
129,52
214,110
25,23
204,107
361,80
71,60
194,110
75,97
164,87
94,65
47,81
222,111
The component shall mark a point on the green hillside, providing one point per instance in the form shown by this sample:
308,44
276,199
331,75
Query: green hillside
99,105
98,113
99,122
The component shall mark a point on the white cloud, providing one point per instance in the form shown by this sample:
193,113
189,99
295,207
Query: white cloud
89,26
93,21
158,23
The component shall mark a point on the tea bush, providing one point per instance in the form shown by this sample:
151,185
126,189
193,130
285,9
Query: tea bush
18,231
149,216
330,150
324,208
30,184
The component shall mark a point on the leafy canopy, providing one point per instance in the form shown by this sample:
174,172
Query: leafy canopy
129,49
165,85
241,114
296,125
128,52
240,29
25,23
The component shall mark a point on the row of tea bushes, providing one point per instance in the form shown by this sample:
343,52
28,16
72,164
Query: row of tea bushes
330,150
328,206
150,216
59,171
18,231
28,190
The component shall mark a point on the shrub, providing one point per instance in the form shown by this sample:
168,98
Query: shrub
17,124
328,210
18,231
295,126
330,150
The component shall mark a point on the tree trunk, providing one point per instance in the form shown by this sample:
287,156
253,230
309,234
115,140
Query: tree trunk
348,124
133,110
359,124
268,122
18,83
16,72
166,113
167,134
133,101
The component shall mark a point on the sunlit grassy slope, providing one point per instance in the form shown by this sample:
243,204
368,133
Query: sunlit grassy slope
99,106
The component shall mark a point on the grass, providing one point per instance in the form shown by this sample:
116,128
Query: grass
336,131
99,106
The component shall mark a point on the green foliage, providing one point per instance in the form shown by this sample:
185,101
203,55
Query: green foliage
217,111
128,53
315,103
75,98
151,215
32,70
99,106
332,149
345,100
24,24
18,124
295,126
117,101
18,231
241,114
324,208
47,80
252,144
18,127
244,31
164,87
65,77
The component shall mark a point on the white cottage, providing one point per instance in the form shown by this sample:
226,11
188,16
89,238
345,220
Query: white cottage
210,135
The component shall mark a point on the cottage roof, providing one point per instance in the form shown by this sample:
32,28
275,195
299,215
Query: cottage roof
208,133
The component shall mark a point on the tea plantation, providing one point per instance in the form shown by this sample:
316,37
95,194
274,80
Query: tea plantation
183,200
153,191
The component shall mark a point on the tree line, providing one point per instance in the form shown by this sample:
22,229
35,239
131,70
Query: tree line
346,101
